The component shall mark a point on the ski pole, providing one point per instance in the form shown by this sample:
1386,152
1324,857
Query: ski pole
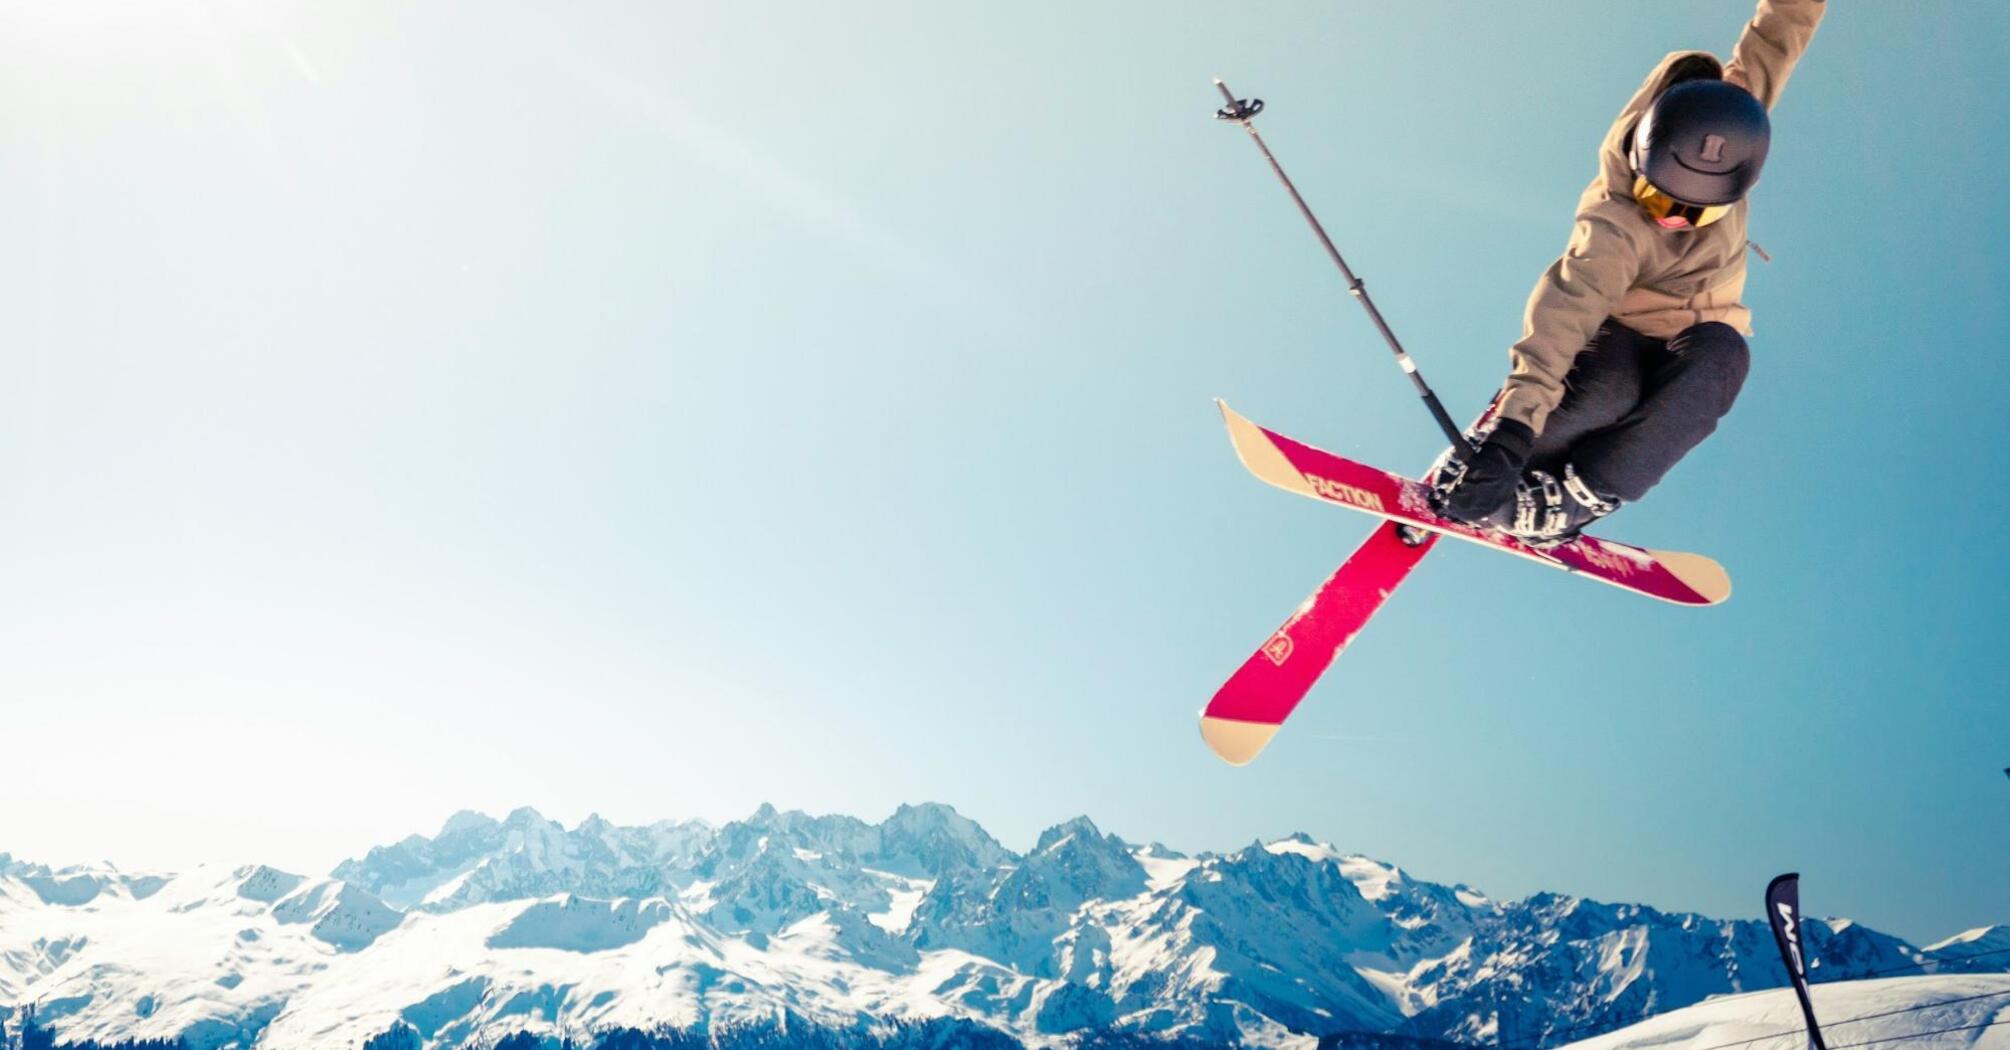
1243,112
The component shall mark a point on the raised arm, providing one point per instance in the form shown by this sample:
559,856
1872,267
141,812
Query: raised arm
1772,42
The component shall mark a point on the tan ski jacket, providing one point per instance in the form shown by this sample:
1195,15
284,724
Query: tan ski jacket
1619,263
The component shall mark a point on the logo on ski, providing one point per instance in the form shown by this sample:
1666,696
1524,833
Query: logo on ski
1340,492
1617,564
1278,648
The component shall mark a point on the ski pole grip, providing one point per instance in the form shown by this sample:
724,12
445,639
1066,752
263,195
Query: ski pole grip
1238,110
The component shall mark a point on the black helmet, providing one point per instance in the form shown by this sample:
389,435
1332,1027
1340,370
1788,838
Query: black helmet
1702,142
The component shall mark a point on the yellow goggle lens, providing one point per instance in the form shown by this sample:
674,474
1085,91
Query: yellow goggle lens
1661,207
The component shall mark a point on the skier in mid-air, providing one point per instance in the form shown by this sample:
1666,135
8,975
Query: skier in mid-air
1633,344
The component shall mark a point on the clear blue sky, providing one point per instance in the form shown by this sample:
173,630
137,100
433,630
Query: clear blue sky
658,410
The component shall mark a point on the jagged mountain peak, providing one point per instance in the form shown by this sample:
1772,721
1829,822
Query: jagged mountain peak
933,817
267,885
1377,881
495,925
932,840
466,820
930,811
1984,949
477,858
1981,938
1080,828
77,885
525,816
1300,844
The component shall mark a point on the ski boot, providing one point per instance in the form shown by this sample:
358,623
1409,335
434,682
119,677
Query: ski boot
1444,473
1547,512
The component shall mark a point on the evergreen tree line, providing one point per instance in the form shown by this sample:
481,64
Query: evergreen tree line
32,1035
790,1033
794,1033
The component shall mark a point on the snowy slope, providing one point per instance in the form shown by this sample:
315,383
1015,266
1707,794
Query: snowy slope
1894,1012
1597,965
495,926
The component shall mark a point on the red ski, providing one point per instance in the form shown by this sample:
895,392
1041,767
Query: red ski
1672,576
1246,712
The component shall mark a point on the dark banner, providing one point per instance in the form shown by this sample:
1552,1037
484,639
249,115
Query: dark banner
1783,911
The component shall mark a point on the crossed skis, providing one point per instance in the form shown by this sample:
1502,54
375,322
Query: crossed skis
1248,709
1246,712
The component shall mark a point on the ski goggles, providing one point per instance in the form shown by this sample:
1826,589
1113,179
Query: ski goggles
1671,213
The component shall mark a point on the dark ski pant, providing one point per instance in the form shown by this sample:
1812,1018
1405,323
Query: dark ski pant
1634,406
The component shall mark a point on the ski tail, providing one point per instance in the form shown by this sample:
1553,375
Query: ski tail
1696,572
1248,708
1235,742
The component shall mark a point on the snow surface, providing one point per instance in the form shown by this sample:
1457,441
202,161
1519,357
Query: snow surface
1164,867
905,896
1304,847
1891,1012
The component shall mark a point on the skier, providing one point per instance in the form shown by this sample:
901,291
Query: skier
1633,344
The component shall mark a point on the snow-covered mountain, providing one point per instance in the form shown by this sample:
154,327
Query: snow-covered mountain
520,924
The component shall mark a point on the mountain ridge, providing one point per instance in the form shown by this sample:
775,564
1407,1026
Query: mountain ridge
493,926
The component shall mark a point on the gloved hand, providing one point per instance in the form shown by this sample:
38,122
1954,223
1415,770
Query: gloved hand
1490,475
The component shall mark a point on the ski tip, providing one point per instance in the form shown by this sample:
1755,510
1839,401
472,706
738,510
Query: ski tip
1235,742
1238,424
1698,573
1260,455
